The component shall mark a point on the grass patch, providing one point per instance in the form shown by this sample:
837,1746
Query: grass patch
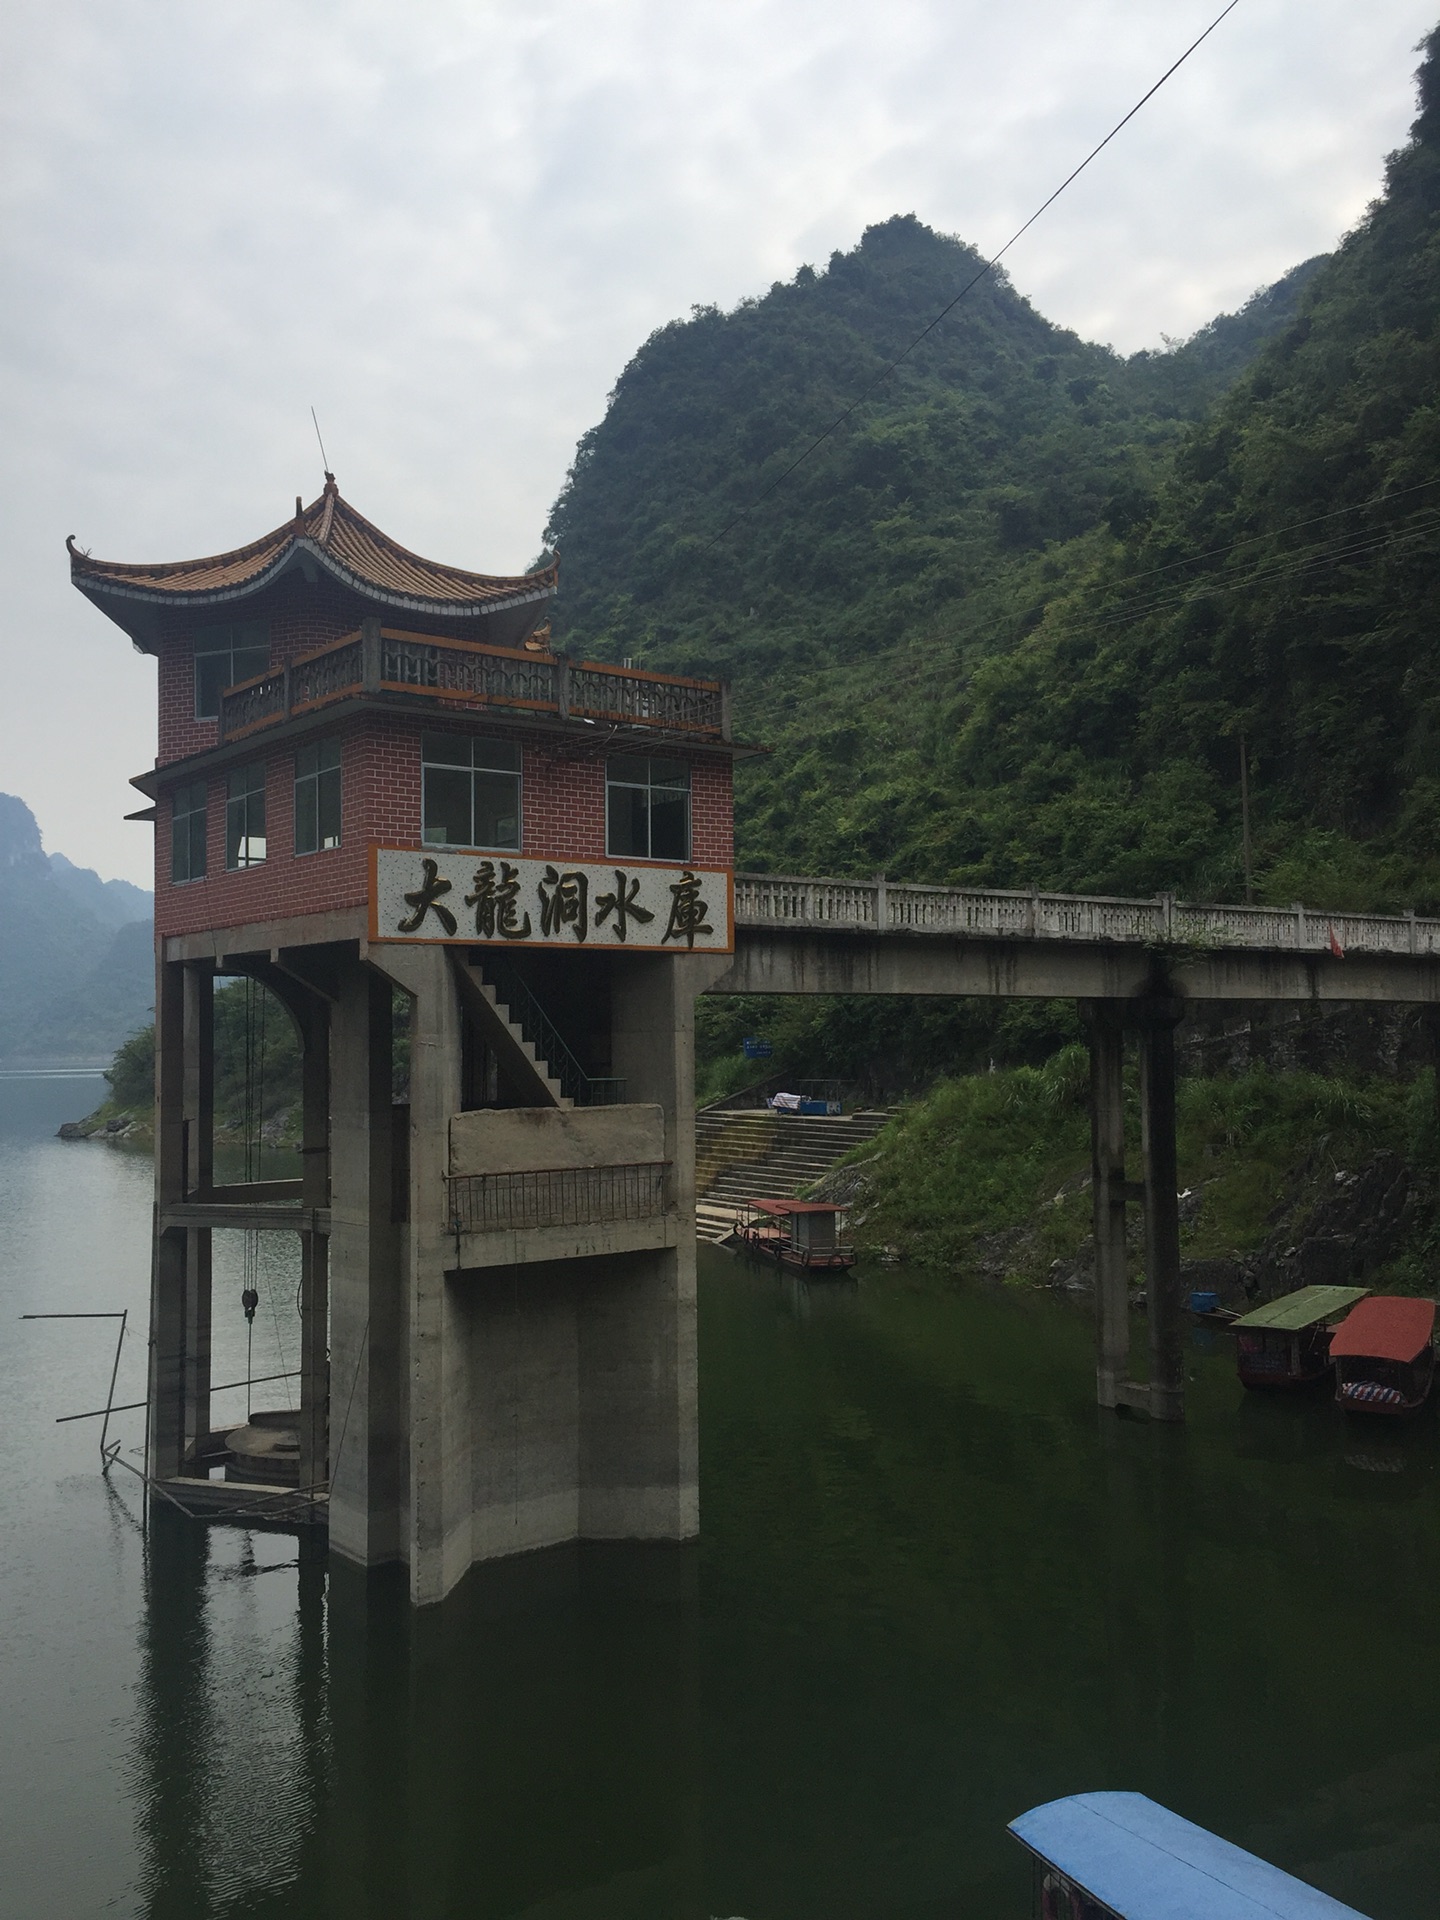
1003,1158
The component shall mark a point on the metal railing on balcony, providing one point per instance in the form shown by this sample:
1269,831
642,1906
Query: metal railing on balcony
784,902
380,661
558,1197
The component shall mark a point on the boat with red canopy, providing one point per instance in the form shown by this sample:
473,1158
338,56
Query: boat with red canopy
1384,1355
803,1234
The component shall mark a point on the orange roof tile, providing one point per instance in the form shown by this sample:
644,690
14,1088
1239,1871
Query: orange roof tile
341,540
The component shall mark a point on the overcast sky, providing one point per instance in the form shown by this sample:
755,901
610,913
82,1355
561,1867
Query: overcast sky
448,224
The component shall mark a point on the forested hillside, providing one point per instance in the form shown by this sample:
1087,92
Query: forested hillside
1011,622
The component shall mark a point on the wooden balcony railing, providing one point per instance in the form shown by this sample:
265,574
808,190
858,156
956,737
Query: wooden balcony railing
782,903
462,673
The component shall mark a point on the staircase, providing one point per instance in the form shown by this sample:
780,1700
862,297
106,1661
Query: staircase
527,1042
759,1155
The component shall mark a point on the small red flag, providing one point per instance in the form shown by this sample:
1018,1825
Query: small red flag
1335,946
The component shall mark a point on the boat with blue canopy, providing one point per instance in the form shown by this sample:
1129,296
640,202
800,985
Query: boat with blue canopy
1121,1856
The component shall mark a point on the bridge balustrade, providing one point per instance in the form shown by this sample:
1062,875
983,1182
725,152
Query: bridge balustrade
883,906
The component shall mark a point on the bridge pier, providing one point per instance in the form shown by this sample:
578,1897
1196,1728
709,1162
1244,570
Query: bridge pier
1105,1021
1158,1020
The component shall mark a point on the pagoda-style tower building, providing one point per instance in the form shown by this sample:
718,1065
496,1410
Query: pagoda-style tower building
379,788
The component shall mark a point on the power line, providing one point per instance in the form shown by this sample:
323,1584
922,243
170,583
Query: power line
1317,553
988,268
1358,547
1292,526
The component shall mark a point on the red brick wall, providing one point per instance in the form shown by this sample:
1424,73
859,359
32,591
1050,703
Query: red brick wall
563,802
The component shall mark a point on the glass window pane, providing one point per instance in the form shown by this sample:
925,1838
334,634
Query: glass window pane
212,673
669,825
235,836
187,832
499,756
245,817
248,780
497,810
307,823
446,808
670,773
445,750
246,663
327,754
626,824
307,761
328,808
634,771
197,845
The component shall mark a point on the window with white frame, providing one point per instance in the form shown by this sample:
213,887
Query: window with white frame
224,656
245,817
187,832
647,809
470,791
317,796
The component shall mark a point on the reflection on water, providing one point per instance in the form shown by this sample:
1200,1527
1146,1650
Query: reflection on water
935,1586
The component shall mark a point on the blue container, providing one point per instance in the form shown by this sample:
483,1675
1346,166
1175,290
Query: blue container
1204,1302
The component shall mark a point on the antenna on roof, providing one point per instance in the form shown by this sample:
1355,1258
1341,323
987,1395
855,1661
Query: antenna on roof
324,458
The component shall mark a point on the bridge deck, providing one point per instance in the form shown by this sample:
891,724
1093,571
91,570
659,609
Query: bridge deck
799,935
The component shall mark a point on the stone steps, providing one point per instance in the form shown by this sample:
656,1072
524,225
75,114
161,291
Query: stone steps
766,1156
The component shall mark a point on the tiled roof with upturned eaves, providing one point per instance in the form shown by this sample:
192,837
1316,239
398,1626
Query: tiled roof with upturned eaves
341,540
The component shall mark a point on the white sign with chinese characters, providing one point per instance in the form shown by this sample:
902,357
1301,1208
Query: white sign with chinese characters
445,893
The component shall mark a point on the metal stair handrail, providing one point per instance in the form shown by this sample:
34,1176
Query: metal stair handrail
545,1037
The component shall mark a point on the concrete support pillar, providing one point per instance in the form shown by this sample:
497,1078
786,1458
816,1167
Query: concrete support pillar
1162,1213
167,1293
198,1078
198,1074
309,1007
368,1474
540,1403
639,1411
184,1133
1104,1021
439,1543
315,1248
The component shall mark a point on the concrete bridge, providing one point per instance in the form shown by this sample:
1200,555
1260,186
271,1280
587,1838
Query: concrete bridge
1132,966
796,935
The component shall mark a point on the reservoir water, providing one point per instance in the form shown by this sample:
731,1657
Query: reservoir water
935,1586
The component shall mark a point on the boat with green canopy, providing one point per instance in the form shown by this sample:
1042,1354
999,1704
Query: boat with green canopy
1287,1343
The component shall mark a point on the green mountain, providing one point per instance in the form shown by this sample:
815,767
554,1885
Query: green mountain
1011,621
1279,586
852,606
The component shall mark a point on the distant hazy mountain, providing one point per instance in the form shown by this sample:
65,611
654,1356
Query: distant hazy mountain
115,902
77,969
